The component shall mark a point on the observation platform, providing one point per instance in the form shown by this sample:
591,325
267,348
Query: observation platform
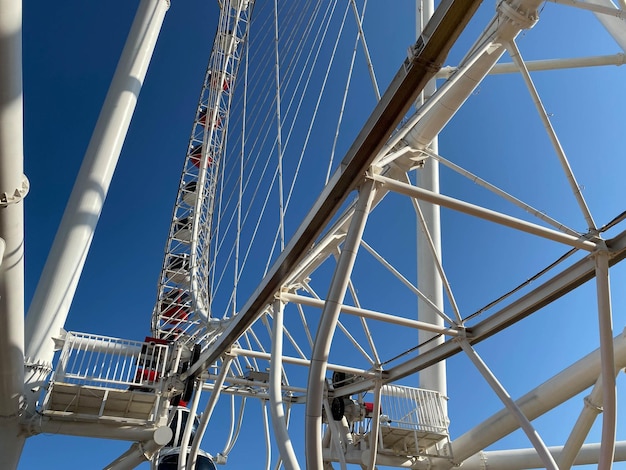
412,422
103,378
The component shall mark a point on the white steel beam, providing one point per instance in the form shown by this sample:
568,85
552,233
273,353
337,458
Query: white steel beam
13,187
55,291
521,459
487,214
373,315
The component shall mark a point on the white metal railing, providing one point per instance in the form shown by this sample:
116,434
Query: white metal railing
102,361
413,409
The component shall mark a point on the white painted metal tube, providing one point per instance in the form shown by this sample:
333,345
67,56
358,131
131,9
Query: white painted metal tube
483,213
516,56
373,447
615,26
13,187
609,387
592,408
208,412
328,322
549,64
538,401
277,412
55,291
184,442
521,459
546,458
139,452
372,315
302,362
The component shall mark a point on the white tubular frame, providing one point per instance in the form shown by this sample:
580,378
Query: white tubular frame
328,322
277,412
57,285
13,187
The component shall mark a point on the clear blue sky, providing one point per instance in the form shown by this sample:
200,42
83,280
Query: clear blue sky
70,52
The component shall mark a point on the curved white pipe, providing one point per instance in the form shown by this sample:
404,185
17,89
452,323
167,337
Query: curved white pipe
283,441
328,322
208,411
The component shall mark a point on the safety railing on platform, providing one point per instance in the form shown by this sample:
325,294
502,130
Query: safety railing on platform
414,409
112,363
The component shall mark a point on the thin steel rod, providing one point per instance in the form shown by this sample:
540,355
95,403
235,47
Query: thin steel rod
368,59
277,412
328,322
481,182
371,314
366,329
407,283
516,56
515,410
483,213
443,30
279,142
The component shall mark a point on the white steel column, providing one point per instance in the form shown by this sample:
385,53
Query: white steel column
428,280
607,358
13,187
328,322
55,291
277,412
208,412
513,408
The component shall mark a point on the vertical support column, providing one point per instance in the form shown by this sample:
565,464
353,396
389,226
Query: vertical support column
607,361
13,187
326,329
277,412
55,291
208,411
428,279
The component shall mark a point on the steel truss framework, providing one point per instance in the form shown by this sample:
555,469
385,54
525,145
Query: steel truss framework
333,299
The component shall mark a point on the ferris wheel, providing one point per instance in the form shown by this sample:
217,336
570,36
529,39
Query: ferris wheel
371,288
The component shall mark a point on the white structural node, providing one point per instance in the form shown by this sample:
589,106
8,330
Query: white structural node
385,252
